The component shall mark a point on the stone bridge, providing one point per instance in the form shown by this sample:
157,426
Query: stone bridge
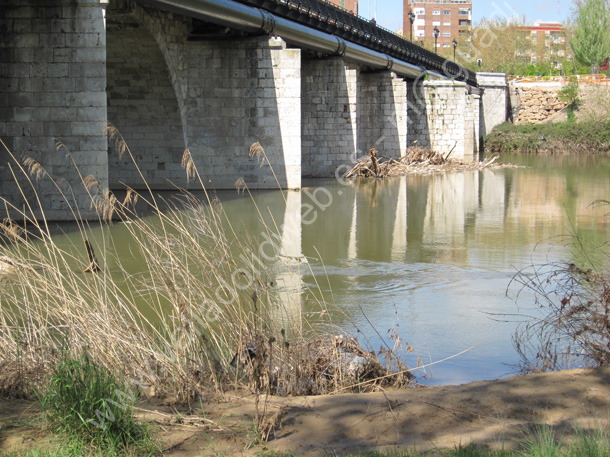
171,79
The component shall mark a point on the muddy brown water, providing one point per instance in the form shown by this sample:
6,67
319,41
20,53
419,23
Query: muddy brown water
428,259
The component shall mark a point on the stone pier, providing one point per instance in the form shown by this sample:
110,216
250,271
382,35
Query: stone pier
494,102
240,93
53,103
329,116
382,113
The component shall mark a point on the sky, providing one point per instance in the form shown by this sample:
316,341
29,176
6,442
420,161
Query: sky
389,12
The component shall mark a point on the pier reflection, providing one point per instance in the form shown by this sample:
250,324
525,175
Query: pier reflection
287,268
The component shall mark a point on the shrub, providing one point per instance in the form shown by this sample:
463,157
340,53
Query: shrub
569,94
588,137
87,401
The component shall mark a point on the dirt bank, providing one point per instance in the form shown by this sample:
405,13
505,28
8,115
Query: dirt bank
492,413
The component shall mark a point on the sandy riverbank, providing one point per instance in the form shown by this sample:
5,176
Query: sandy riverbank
491,413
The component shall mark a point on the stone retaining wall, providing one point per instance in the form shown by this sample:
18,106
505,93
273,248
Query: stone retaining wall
537,104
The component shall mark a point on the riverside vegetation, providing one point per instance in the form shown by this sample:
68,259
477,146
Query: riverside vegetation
83,346
586,130
76,335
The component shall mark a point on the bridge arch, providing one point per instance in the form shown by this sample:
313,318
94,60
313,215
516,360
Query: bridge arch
143,105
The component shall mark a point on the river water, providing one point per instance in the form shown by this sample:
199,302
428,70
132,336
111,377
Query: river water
429,256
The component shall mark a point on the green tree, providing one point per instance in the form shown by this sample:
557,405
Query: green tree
590,40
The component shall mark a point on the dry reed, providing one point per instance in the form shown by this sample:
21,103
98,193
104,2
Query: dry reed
416,160
201,300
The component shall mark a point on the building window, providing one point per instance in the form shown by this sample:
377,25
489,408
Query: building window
446,34
420,33
436,23
464,22
447,12
445,45
420,11
436,12
464,11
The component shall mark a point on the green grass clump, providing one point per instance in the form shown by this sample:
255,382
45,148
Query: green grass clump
594,443
86,401
587,137
542,443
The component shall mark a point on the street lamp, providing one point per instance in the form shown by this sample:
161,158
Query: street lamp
412,19
454,43
479,61
436,33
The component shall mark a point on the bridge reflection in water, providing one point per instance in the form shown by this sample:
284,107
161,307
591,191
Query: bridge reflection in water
290,262
432,254
435,254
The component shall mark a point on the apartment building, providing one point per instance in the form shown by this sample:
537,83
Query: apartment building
549,41
450,17
349,5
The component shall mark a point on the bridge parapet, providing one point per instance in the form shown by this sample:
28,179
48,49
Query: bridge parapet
331,19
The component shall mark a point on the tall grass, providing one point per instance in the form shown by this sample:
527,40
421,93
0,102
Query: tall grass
202,299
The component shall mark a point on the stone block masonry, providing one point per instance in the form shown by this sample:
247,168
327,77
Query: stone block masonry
382,113
418,133
445,112
239,93
494,101
537,104
52,92
143,106
329,116
471,126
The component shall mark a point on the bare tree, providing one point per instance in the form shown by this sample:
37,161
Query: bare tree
502,44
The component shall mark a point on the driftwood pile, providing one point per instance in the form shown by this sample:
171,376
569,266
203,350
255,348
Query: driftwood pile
417,160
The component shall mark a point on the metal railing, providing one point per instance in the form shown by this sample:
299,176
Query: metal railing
334,20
